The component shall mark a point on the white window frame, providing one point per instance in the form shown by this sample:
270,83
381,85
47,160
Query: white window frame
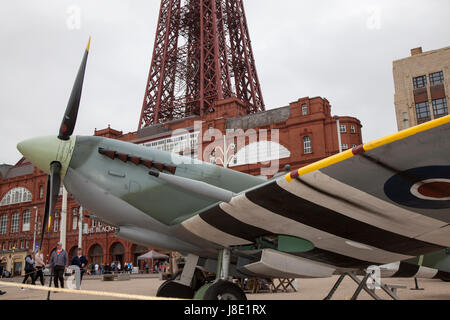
15,222
56,225
343,128
352,129
26,220
307,146
305,110
74,222
4,224
344,146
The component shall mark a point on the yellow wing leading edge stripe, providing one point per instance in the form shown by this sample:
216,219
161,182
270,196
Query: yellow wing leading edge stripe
366,147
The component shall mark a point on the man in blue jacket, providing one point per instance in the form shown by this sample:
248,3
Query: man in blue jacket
80,261
58,262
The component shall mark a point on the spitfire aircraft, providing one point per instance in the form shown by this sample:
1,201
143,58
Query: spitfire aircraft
379,203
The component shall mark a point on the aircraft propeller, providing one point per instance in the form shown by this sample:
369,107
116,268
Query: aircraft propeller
65,131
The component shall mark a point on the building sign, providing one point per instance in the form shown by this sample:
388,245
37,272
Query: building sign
99,229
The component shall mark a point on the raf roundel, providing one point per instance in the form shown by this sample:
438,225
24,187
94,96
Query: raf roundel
423,188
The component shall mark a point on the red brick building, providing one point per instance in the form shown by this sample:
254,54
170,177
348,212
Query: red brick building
305,130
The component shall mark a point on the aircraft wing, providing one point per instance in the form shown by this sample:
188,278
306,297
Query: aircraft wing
382,202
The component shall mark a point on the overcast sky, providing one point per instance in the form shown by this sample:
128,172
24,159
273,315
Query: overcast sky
338,49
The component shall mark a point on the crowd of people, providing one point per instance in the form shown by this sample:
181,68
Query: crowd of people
114,267
59,261
158,267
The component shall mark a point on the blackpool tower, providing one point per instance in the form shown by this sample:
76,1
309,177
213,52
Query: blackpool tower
202,54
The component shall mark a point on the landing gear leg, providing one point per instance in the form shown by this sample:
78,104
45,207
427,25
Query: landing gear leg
181,288
221,288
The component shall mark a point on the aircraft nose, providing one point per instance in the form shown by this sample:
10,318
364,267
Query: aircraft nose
43,151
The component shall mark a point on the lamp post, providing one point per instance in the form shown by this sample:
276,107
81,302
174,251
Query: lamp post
63,227
80,228
338,125
12,261
35,227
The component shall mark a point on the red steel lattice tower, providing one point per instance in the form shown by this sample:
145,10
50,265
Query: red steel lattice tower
202,54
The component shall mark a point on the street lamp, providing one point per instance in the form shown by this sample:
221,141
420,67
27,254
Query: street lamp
35,225
338,125
12,261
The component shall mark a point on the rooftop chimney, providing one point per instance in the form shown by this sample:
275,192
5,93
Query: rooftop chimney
416,51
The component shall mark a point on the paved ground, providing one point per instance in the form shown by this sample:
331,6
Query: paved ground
311,289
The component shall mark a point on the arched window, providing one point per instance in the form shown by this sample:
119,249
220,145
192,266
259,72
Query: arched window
307,145
16,195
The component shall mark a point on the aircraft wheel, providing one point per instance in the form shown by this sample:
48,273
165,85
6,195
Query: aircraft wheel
171,289
224,290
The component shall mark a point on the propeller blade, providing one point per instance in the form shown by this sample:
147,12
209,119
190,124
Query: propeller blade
53,186
70,116
45,218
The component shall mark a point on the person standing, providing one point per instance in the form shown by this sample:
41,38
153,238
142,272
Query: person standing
40,265
80,261
29,267
58,262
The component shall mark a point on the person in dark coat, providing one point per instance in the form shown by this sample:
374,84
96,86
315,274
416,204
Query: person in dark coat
29,267
80,261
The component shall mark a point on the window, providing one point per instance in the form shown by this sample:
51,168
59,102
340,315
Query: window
56,225
21,244
307,145
75,211
15,222
56,214
423,112
305,110
343,128
27,244
440,107
344,146
352,129
74,222
436,78
26,221
41,192
354,145
420,82
4,224
16,195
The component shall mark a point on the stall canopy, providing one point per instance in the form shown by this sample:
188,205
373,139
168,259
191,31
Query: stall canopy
153,255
